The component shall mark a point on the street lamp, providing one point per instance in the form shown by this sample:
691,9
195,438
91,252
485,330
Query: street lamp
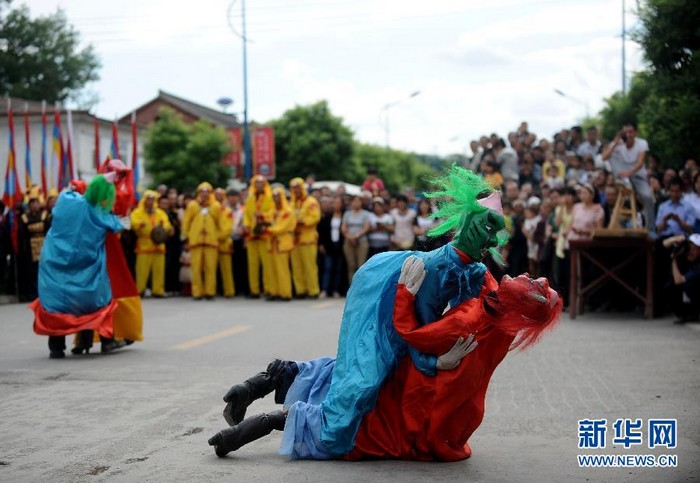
224,102
385,110
573,99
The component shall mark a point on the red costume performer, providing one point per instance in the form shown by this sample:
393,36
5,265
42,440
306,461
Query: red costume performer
128,318
424,418
416,416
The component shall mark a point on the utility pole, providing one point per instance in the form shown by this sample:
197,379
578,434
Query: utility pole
248,170
624,33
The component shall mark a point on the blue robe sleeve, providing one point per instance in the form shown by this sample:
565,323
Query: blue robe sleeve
425,363
109,221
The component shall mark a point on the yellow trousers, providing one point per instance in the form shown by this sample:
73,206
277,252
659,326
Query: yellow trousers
153,265
305,270
203,260
226,268
281,278
258,255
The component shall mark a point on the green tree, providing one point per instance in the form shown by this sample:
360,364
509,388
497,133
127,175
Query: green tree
398,169
183,155
310,139
670,113
40,58
621,109
664,99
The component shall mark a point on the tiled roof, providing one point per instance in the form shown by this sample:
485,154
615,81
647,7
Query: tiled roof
200,111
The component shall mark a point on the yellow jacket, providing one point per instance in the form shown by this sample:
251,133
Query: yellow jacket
200,225
259,208
308,214
282,228
225,229
143,222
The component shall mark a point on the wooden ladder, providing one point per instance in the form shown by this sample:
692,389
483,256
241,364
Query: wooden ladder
625,207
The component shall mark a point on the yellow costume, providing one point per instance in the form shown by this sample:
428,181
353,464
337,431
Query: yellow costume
200,227
281,244
259,209
150,257
304,256
226,251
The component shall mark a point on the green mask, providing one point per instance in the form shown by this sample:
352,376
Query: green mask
477,233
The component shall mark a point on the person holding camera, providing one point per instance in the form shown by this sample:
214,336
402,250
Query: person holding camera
675,217
627,153
684,291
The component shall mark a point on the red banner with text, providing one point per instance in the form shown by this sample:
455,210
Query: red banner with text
263,140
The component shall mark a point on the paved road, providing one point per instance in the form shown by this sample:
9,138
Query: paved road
144,414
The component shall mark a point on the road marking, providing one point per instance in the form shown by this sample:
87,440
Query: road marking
212,338
322,305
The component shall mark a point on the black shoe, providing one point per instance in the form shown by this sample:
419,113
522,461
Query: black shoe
284,299
272,298
79,350
209,297
301,296
112,345
231,439
196,298
57,355
253,296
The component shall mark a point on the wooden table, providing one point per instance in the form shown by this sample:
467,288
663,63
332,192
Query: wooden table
630,249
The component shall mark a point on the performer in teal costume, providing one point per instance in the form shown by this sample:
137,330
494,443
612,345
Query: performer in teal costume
369,349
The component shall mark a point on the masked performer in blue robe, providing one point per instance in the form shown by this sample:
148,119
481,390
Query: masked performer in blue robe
74,289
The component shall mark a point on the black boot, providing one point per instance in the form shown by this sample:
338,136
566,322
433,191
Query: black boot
277,377
230,439
109,345
84,343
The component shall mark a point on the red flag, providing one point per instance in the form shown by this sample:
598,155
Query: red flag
97,145
69,150
27,156
134,154
13,191
44,186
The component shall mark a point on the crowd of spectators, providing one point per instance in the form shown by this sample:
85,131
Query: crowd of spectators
554,191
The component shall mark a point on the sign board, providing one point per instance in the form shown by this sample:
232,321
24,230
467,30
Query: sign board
263,143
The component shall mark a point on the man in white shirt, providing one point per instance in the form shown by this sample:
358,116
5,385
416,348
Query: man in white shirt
591,146
507,159
627,153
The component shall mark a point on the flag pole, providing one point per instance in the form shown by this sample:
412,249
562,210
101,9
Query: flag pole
44,186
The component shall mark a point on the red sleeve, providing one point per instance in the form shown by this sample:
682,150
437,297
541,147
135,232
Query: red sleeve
125,196
439,336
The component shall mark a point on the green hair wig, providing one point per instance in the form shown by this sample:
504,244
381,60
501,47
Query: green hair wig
101,193
458,190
